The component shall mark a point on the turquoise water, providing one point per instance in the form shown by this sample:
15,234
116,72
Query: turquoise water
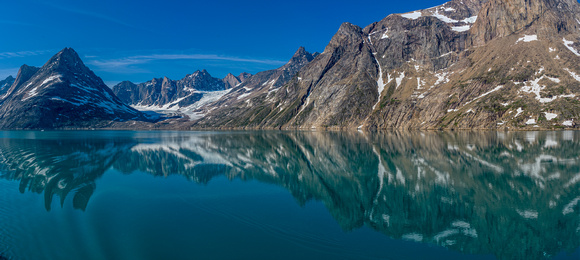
289,195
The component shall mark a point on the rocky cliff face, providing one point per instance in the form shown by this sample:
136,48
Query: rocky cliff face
232,81
464,64
63,93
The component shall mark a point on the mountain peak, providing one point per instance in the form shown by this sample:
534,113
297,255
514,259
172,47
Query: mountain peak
300,58
25,73
347,35
244,76
68,59
199,74
300,52
68,51
5,84
9,78
231,81
67,54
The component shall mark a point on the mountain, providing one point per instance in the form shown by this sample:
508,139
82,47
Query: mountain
467,64
239,102
62,93
182,95
462,65
5,84
199,93
232,81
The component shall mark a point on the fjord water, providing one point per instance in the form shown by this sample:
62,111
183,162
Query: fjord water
289,195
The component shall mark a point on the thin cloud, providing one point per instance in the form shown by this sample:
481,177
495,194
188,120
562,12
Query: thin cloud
21,54
125,64
90,14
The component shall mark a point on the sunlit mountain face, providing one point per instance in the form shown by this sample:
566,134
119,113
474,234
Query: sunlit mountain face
514,195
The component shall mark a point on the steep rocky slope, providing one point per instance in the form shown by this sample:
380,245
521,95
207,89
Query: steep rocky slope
238,104
63,93
464,64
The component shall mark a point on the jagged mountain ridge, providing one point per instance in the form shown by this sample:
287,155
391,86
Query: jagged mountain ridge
62,93
237,104
164,92
439,68
183,96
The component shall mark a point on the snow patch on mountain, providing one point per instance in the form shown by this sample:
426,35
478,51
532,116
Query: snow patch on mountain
573,74
535,88
193,110
399,79
528,38
568,45
443,18
414,15
461,28
550,116
52,80
380,83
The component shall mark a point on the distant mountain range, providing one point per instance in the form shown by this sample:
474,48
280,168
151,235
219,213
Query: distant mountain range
467,64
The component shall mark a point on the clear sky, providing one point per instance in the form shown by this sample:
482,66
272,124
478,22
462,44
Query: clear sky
139,40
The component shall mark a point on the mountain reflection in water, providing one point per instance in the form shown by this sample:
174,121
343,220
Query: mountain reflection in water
514,195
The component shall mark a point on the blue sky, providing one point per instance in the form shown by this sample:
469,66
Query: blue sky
139,40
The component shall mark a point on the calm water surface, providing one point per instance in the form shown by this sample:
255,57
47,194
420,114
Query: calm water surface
289,195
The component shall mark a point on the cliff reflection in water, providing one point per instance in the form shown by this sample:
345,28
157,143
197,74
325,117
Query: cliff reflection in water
514,195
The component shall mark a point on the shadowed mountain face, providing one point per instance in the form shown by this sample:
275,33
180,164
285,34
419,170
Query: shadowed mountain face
62,93
471,192
5,84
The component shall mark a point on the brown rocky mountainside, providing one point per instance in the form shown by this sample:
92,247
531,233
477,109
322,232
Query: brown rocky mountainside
464,64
